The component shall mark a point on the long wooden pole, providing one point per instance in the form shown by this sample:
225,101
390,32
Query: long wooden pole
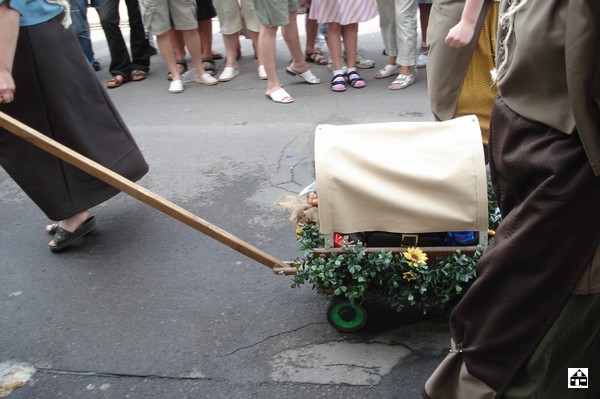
146,196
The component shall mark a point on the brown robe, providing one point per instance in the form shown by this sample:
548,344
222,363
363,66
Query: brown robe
58,94
547,182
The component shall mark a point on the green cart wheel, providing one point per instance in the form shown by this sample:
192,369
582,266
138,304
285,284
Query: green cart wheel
345,316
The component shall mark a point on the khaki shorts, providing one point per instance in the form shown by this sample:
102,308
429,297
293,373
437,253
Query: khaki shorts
230,13
161,15
275,12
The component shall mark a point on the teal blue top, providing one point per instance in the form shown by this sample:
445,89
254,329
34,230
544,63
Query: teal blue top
34,12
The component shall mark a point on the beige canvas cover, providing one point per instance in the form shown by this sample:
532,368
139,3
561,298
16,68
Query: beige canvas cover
405,177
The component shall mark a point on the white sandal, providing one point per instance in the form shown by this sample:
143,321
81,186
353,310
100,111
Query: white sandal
307,76
387,71
402,82
280,96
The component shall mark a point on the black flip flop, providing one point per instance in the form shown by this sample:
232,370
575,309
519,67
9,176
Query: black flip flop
63,238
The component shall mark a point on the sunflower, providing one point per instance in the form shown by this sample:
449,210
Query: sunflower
415,256
408,276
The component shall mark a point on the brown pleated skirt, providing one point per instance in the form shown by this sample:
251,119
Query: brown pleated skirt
58,94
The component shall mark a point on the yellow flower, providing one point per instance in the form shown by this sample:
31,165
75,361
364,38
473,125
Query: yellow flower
408,276
491,233
415,256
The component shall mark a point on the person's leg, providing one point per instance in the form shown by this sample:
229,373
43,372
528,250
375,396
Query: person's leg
424,11
191,39
232,44
251,24
176,38
205,33
254,39
140,46
165,47
178,44
192,42
69,225
406,32
266,55
350,34
311,54
334,44
406,38
120,63
80,26
292,39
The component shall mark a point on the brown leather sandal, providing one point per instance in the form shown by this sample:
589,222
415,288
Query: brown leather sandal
137,75
316,58
117,81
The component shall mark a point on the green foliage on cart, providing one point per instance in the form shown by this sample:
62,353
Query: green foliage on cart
404,278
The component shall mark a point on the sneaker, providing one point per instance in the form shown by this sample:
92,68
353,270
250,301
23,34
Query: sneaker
422,60
176,86
189,76
206,79
228,74
344,67
363,62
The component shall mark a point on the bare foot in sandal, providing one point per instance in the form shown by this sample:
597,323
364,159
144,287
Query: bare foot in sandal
280,96
117,81
69,230
316,57
138,76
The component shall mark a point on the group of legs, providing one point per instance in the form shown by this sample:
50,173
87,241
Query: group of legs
399,29
272,17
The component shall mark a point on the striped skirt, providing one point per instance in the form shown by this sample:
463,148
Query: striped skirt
343,12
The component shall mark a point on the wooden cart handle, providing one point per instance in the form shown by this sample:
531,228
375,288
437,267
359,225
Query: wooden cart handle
148,197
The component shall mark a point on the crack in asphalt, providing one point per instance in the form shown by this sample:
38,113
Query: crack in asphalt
268,338
284,155
117,375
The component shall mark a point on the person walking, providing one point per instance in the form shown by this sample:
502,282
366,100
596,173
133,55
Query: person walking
461,59
532,312
46,83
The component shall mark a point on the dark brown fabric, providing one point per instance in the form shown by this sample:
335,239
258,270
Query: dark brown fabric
58,94
550,201
582,57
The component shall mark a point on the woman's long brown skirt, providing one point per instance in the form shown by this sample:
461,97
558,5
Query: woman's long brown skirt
58,94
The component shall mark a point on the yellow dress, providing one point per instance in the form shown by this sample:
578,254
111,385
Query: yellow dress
478,91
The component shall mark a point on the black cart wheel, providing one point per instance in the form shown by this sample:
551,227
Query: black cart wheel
345,316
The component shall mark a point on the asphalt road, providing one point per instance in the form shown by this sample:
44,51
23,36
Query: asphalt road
150,308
